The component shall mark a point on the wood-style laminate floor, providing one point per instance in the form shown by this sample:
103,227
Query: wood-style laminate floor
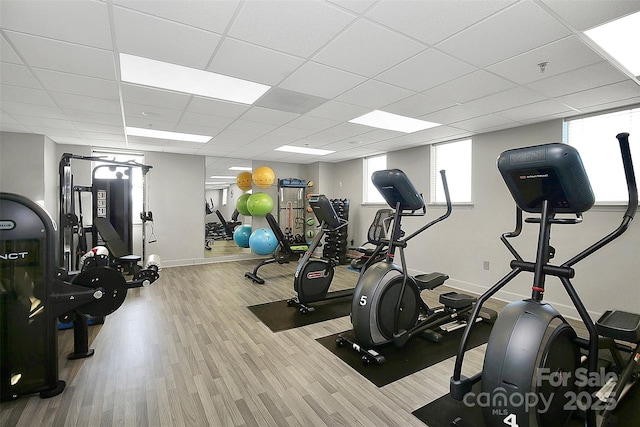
187,352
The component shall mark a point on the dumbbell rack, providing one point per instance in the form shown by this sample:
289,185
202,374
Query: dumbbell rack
335,242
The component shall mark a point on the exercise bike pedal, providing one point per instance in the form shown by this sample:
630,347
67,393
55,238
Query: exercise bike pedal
455,300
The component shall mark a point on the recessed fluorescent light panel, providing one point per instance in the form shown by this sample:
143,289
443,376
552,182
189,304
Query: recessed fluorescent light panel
383,120
149,72
304,150
161,134
619,39
240,168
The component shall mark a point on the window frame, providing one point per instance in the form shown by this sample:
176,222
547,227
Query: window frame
367,186
594,124
436,188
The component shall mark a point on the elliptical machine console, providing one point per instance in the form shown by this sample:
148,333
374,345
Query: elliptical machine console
532,350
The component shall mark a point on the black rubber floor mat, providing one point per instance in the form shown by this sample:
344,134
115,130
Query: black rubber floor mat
416,355
443,411
278,316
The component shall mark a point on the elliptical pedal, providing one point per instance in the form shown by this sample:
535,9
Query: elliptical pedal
619,325
455,300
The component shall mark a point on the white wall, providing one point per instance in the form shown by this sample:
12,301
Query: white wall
176,193
22,165
460,245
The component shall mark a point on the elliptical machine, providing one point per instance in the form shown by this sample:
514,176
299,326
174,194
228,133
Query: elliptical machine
532,351
387,306
313,276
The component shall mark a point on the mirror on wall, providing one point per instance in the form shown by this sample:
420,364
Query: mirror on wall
220,220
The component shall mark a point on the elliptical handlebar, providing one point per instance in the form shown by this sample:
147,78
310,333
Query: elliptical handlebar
443,216
627,162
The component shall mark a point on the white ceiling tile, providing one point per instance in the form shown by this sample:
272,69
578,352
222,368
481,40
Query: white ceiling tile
5,118
451,114
79,85
600,74
268,115
377,135
103,136
25,95
93,117
152,112
418,73
536,110
335,110
508,99
79,102
289,134
152,96
207,15
197,129
216,107
12,107
32,121
54,132
367,49
155,38
17,75
602,95
338,133
628,102
150,123
297,27
82,22
472,86
99,128
208,121
505,34
181,150
585,14
478,124
418,105
314,124
562,56
249,127
67,57
7,54
13,127
69,140
445,18
357,6
374,94
320,80
254,63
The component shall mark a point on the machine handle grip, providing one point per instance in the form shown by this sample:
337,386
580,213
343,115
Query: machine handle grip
627,162
443,175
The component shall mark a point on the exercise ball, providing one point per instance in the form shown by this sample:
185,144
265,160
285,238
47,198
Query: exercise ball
259,204
241,235
241,204
243,181
264,177
263,241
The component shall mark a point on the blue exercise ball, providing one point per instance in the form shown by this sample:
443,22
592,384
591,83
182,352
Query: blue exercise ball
241,235
263,241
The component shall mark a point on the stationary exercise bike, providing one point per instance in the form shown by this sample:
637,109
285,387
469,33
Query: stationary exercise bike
532,366
387,306
314,275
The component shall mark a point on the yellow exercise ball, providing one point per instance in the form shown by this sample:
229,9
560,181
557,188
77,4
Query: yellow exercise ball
264,177
243,181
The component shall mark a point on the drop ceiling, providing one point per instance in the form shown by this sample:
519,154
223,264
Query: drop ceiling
470,65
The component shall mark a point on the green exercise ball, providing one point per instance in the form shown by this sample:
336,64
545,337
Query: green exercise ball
259,204
241,204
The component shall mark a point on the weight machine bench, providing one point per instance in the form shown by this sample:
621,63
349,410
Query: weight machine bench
284,252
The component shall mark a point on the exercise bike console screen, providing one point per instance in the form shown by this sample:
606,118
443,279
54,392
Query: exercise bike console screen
552,172
324,211
396,188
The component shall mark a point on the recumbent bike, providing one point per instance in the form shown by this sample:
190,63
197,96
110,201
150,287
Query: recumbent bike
532,352
313,276
387,306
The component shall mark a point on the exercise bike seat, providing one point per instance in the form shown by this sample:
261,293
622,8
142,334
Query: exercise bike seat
455,300
430,281
619,325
